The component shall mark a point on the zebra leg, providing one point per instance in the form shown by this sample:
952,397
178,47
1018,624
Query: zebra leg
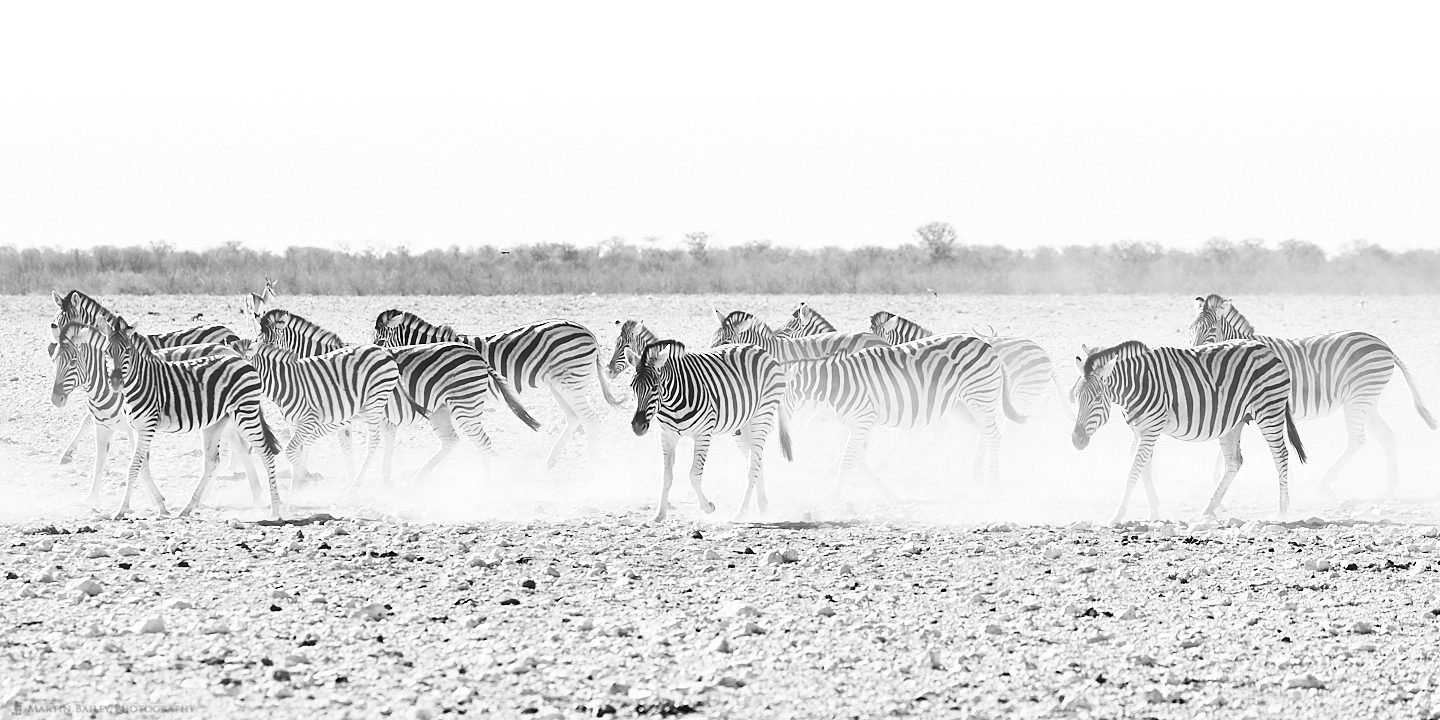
755,450
1274,430
295,452
440,420
1386,437
572,422
697,468
1230,447
102,451
68,453
210,445
855,446
240,451
346,439
252,427
1354,440
374,423
139,457
1148,477
1144,449
667,455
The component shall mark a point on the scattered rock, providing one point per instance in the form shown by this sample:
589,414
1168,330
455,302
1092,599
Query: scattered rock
152,624
89,586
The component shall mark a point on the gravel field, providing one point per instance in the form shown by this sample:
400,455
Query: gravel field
534,594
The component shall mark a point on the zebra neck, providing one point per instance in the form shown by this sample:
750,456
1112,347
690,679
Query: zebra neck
90,368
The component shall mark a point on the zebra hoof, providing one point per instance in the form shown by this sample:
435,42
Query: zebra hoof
66,459
708,507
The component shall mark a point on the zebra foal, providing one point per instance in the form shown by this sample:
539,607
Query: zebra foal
201,394
1341,370
732,389
1197,394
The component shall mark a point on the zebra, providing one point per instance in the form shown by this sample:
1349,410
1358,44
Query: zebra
78,364
322,393
732,389
78,307
631,341
742,327
204,393
448,384
561,355
804,320
906,386
1030,369
1337,370
1197,394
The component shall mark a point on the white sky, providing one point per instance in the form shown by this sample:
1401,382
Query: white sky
428,125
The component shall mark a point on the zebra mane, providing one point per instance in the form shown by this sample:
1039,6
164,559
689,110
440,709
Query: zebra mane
302,325
674,348
740,316
1225,314
1127,349
879,319
413,322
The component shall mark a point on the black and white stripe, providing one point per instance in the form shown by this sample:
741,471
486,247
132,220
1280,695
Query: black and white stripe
1030,370
200,394
1203,393
1341,370
732,389
322,393
559,355
906,386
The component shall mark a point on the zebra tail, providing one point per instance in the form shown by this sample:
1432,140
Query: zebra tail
604,386
1005,393
1415,394
785,434
505,391
1294,435
272,443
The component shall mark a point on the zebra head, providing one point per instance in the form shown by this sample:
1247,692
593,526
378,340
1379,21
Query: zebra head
79,307
1092,399
624,348
886,325
741,327
654,365
123,346
1205,328
805,321
65,352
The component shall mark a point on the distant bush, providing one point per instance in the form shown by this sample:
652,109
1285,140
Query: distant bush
616,266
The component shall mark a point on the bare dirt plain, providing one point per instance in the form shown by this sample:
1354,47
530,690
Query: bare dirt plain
534,594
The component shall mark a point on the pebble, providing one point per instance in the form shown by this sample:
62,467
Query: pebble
215,627
1362,628
44,576
43,545
1052,552
127,550
911,548
177,604
152,624
720,645
710,554
25,593
738,608
96,551
825,611
89,587
1304,681
372,611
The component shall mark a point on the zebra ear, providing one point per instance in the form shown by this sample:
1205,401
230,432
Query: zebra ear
744,324
59,299
1103,369
1080,363
1225,304
1199,303
393,322
719,315
889,325
1086,350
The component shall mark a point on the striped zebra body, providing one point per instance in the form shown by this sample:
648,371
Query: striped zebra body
1030,370
199,394
631,341
81,365
732,389
1342,370
321,393
743,328
908,385
804,320
78,307
1196,394
556,354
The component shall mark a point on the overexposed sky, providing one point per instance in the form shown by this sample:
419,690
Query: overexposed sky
808,124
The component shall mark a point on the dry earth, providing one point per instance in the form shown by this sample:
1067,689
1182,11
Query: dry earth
532,594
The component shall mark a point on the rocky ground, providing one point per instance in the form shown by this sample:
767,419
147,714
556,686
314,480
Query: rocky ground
607,615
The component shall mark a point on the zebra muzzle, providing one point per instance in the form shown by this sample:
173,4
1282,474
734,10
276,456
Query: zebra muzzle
1080,438
640,426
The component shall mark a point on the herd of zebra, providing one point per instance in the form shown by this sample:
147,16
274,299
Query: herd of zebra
754,377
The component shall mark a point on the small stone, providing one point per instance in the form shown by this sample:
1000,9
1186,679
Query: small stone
1052,552
825,611
89,587
152,624
292,659
738,608
1362,628
618,688
25,593
1154,696
993,629
710,554
751,628
790,555
1306,681
720,645
176,604
730,682
552,571
773,558
372,611
215,627
44,576
127,550
43,545
96,551
281,595
1130,613
911,548
930,659
528,584
845,569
